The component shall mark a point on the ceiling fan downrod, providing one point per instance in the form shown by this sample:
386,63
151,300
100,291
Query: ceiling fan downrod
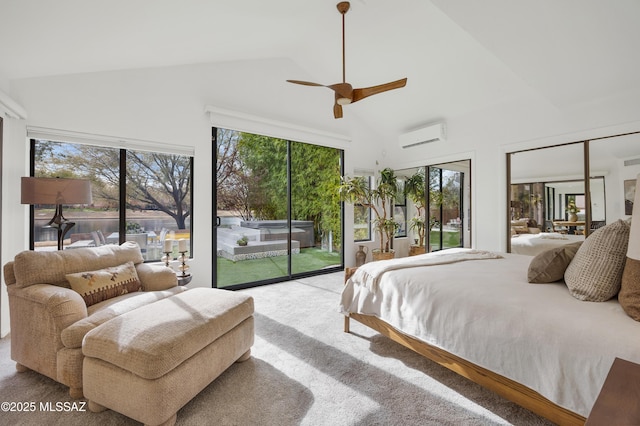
343,8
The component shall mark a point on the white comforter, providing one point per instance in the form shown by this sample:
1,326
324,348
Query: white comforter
485,312
532,244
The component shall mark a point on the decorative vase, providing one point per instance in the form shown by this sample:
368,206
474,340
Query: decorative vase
573,217
361,256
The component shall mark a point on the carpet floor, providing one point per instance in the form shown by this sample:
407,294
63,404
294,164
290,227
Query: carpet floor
304,371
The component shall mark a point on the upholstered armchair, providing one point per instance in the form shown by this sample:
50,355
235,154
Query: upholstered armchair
49,318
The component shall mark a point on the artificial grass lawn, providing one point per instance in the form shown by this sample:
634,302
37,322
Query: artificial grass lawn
309,259
449,239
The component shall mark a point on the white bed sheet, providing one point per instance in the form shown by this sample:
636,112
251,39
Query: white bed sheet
532,244
486,312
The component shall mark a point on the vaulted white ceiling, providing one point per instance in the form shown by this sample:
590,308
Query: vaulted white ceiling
460,56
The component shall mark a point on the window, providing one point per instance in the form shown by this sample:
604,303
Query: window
137,196
278,210
362,218
400,210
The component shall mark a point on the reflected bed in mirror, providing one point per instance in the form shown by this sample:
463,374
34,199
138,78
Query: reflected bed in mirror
547,203
549,188
533,244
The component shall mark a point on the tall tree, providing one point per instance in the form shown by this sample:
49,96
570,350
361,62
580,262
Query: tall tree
162,181
315,177
153,179
233,180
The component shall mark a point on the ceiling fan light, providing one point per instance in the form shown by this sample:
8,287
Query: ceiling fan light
343,101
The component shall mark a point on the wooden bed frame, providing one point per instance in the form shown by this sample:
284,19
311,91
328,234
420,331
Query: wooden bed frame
507,388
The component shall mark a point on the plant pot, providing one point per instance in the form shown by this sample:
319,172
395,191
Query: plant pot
415,250
382,255
573,217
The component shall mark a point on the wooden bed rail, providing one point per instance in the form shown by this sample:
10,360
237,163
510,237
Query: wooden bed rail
507,388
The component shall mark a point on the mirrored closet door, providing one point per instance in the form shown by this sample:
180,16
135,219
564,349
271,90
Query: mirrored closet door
551,200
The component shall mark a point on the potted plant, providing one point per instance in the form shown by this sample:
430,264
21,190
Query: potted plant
414,190
134,232
572,211
133,228
243,241
356,190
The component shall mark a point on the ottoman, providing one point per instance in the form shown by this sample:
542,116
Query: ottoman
149,362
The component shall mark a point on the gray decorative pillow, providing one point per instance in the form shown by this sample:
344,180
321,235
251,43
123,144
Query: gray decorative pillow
549,265
595,273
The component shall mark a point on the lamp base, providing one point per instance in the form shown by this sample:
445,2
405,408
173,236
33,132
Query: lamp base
62,224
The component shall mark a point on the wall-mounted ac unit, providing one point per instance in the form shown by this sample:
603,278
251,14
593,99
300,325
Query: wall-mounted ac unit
632,162
430,133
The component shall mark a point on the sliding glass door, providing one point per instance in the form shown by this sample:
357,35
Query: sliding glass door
316,219
449,199
278,214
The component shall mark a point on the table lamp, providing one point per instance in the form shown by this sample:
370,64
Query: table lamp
58,191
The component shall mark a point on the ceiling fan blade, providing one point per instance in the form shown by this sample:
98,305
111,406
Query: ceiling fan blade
306,83
337,111
359,94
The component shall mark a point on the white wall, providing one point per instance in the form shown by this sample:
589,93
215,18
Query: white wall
486,136
4,83
14,215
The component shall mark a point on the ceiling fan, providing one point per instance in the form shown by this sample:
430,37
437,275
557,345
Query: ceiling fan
345,93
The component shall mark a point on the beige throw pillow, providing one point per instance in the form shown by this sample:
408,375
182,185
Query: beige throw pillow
103,284
550,265
595,273
629,296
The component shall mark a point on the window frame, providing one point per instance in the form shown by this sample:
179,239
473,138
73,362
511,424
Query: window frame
368,227
400,206
122,183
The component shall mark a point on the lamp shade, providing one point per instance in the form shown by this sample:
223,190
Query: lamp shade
633,250
55,191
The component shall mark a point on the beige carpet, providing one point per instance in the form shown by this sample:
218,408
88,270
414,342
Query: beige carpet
304,371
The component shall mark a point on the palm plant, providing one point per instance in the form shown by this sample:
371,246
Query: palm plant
415,190
356,190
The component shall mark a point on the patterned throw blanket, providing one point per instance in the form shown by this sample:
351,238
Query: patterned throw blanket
369,274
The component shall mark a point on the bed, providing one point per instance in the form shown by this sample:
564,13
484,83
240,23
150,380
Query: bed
534,344
532,244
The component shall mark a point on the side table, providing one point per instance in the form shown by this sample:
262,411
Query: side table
619,400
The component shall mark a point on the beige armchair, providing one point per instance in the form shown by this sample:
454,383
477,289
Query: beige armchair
49,319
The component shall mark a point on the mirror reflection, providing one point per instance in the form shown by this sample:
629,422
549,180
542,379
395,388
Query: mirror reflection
547,203
551,204
618,160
